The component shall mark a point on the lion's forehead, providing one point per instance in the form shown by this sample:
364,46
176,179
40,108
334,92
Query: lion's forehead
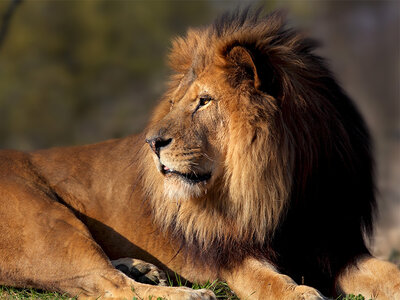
193,85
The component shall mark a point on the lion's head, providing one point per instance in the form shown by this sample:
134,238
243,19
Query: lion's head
250,118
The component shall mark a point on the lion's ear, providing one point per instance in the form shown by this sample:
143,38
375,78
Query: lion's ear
244,65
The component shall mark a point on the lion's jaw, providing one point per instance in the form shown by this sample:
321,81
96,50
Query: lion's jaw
185,176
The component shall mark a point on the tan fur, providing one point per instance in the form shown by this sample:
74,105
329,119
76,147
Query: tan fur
273,285
372,278
206,190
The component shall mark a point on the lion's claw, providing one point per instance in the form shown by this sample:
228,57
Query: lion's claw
141,271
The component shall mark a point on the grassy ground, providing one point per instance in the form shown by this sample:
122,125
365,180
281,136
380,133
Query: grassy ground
14,293
221,290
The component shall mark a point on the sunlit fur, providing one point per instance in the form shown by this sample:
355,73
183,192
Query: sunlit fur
290,141
178,190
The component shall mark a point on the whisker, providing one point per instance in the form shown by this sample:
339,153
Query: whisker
209,158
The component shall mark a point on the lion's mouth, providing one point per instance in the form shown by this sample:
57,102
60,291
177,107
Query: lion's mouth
192,178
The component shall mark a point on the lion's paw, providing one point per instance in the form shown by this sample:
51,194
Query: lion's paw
190,294
304,292
140,271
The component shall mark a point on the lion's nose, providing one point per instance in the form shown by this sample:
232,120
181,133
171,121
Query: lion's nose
157,143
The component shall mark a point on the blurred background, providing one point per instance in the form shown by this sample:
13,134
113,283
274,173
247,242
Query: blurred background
76,72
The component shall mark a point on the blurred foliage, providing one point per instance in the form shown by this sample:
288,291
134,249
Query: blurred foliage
74,72
395,257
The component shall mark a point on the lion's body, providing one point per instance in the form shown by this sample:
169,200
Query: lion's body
258,165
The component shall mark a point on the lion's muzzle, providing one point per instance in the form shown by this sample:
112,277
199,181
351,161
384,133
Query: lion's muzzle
157,143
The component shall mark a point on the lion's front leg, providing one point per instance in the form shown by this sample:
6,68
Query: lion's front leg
44,245
372,278
255,279
112,284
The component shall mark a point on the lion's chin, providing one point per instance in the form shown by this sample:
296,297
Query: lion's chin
177,187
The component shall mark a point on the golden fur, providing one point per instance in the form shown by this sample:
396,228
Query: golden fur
255,169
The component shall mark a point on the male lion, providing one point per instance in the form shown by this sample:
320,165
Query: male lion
255,164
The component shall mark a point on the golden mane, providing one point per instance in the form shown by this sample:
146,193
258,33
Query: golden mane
249,202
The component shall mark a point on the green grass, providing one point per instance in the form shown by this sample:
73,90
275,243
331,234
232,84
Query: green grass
353,297
15,293
220,289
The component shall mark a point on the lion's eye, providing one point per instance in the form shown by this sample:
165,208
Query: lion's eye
204,100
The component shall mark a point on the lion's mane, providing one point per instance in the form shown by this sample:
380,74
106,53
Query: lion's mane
297,184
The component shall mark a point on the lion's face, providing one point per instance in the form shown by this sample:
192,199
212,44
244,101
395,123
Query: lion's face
187,142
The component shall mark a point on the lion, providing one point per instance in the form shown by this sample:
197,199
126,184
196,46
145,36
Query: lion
255,169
